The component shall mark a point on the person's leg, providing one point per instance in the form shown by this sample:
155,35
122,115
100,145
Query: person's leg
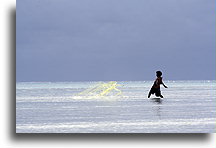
161,96
149,94
158,93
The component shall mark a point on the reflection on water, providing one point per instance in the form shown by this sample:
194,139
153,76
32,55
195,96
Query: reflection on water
157,107
157,100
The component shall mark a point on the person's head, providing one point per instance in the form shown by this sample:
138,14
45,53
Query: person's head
158,73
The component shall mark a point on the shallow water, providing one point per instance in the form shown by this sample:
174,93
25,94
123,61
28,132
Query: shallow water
56,107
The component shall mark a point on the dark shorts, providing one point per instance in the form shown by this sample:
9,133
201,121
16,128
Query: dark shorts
155,91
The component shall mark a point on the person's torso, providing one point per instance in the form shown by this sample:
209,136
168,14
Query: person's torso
157,82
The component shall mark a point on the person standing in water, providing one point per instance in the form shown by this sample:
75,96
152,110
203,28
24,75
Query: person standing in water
156,86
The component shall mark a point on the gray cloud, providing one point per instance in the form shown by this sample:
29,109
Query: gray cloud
115,40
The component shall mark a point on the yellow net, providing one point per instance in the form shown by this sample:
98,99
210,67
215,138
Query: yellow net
102,89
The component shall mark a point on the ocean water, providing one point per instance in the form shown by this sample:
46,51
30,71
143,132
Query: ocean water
57,107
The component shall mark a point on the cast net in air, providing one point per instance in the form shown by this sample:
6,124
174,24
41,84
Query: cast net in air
102,89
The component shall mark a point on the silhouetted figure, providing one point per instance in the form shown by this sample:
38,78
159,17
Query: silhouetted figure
156,86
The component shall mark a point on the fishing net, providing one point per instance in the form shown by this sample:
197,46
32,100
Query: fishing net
102,89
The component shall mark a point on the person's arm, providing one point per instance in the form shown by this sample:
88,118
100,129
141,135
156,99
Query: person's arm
164,85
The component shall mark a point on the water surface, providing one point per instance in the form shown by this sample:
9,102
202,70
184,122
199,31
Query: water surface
55,107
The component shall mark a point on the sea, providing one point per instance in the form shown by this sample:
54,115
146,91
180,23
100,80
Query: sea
60,107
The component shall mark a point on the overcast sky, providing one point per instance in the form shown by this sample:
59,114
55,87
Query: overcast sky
95,40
